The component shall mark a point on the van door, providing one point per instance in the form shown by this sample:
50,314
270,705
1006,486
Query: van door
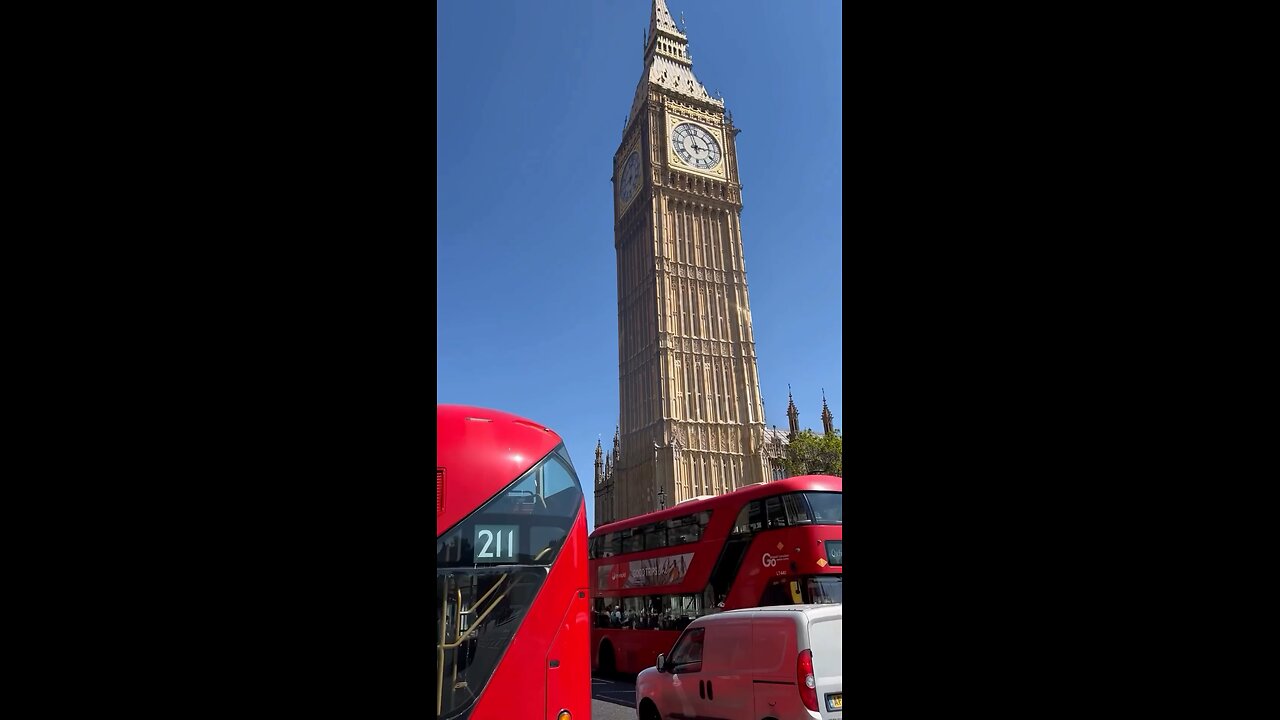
773,666
826,641
685,666
727,690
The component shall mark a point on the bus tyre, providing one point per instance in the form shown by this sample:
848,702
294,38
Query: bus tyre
608,666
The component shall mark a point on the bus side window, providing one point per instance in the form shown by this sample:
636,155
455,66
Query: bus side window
632,540
612,545
740,526
797,509
683,530
675,531
773,509
693,531
655,536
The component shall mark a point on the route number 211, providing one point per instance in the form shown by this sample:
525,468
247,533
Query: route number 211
495,543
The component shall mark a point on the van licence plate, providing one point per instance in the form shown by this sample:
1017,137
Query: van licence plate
834,702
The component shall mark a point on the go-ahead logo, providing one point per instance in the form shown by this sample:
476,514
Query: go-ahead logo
772,560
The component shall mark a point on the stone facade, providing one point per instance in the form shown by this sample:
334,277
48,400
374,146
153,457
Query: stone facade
691,419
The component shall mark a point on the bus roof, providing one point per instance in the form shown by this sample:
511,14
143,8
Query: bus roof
817,483
480,452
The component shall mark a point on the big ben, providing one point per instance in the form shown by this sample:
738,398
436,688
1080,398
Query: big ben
691,420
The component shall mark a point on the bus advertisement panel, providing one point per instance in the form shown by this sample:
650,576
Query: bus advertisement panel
652,572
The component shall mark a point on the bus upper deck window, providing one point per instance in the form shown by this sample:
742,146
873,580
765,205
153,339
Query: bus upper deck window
826,507
797,509
774,513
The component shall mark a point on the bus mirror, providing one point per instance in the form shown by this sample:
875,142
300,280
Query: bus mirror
662,661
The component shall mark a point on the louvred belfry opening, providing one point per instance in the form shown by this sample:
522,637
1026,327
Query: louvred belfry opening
439,490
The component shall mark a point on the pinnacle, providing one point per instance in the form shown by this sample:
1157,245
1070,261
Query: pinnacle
661,18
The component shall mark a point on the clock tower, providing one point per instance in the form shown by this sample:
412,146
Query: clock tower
691,417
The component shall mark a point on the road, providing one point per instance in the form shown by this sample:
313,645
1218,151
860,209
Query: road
613,699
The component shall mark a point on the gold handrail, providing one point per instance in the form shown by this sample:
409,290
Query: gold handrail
444,609
457,624
480,620
490,591
471,628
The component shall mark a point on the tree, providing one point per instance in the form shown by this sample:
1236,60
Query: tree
809,453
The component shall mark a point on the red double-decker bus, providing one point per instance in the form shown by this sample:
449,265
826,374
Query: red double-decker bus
511,616
767,544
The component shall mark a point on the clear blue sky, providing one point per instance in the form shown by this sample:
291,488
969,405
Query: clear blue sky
531,97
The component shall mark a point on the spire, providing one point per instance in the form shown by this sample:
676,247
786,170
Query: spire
599,461
664,39
668,64
661,19
826,415
793,415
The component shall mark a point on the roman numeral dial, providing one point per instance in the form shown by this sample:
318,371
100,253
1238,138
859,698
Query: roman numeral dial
695,146
630,179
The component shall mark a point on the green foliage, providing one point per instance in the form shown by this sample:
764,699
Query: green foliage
812,454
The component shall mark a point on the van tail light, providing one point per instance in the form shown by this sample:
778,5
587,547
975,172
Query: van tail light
804,680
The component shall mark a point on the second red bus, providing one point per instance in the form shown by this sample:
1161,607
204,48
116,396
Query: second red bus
769,544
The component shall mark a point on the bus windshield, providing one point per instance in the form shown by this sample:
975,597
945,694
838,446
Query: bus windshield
826,507
822,589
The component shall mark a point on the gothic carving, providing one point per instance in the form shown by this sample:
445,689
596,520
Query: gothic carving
696,211
714,117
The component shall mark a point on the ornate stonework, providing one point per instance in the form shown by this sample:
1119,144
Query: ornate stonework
690,414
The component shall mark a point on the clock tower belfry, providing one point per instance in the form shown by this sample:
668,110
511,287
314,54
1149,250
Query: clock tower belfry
691,416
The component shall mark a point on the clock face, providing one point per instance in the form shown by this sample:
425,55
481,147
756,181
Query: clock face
695,146
630,181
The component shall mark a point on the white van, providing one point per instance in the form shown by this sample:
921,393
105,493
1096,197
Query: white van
771,663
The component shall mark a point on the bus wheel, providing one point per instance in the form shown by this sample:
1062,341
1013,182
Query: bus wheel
608,667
